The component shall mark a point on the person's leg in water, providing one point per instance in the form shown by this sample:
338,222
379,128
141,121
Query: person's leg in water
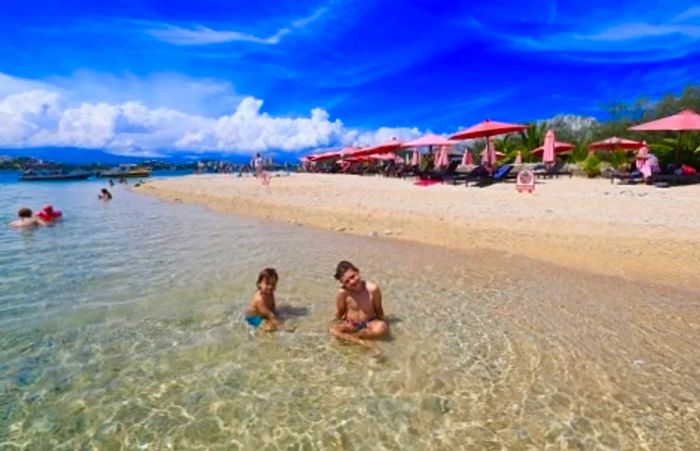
349,333
374,329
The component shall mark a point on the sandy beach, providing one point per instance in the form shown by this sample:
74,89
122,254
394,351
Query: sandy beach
634,232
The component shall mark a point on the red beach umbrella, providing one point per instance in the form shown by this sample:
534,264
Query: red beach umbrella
687,120
548,151
559,149
389,146
488,128
429,140
615,143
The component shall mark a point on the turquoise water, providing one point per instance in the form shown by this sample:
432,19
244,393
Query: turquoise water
122,328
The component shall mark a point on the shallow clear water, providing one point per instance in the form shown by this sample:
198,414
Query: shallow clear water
123,327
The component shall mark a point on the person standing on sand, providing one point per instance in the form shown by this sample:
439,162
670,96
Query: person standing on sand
258,164
359,314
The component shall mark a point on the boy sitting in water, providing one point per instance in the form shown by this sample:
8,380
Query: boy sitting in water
358,308
261,311
25,219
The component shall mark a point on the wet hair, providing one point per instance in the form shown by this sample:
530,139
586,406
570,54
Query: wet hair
267,274
24,212
342,268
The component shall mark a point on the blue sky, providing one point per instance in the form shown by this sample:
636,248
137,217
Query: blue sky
153,78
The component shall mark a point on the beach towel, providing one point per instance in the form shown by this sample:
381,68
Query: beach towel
426,182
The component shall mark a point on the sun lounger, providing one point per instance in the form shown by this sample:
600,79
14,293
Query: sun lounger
466,177
559,168
500,175
440,175
675,179
626,177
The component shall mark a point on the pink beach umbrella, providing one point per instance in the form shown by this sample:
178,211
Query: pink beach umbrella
442,159
613,144
466,156
427,141
687,120
489,154
415,161
559,148
488,128
519,158
548,151
390,146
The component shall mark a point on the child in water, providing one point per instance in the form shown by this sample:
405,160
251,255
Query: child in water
359,314
104,194
261,311
24,219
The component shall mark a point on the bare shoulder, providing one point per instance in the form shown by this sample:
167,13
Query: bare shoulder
257,298
342,293
372,287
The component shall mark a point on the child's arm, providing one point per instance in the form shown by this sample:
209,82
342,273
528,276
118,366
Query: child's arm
264,311
341,307
378,309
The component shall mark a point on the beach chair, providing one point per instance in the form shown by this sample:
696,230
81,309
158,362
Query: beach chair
663,180
500,175
442,175
559,168
627,178
466,177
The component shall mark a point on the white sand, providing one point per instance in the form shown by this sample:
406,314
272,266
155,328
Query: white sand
636,232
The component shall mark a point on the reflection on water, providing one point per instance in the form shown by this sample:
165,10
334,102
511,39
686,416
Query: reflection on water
123,327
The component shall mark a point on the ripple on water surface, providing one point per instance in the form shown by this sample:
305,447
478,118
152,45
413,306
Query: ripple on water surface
123,326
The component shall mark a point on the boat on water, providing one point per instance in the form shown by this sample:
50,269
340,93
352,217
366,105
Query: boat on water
126,170
56,175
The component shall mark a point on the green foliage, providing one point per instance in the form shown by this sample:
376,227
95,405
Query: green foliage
618,160
591,165
579,153
533,137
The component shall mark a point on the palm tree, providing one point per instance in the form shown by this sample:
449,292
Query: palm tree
534,135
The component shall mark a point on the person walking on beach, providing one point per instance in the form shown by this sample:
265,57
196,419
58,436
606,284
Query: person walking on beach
25,219
359,314
258,164
261,311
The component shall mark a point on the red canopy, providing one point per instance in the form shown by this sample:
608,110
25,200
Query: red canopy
559,148
686,120
429,140
615,143
325,156
488,128
389,146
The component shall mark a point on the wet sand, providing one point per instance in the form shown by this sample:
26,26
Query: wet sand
634,232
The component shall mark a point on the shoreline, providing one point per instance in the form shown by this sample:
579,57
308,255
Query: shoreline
638,233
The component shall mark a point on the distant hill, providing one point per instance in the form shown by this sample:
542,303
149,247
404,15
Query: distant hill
75,155
69,155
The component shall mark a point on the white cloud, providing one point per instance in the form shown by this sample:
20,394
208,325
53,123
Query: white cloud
200,96
201,35
53,117
633,31
616,38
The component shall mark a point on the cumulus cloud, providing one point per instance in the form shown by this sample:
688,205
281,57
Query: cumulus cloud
53,117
